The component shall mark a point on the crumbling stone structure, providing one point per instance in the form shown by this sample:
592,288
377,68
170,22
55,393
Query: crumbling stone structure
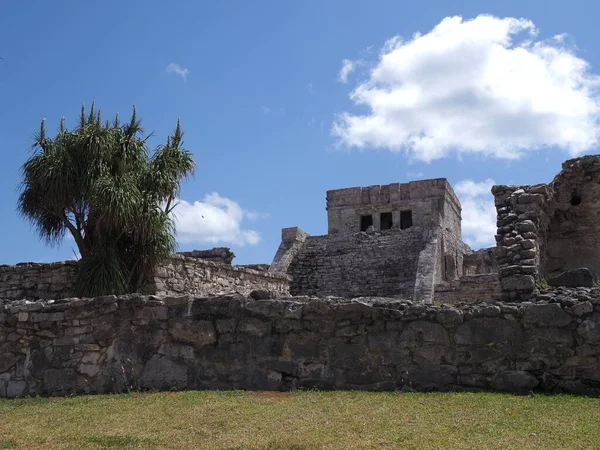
395,240
396,247
184,275
221,255
177,275
547,229
37,280
115,344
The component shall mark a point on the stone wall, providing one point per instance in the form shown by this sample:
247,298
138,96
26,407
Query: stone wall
469,289
545,230
111,344
520,239
361,264
221,255
424,198
178,275
184,275
482,261
33,281
573,231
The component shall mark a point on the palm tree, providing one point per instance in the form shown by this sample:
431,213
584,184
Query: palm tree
100,183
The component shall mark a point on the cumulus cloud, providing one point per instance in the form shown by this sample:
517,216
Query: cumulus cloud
177,70
484,86
214,219
478,212
348,67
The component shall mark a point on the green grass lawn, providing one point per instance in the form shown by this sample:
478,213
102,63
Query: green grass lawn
300,420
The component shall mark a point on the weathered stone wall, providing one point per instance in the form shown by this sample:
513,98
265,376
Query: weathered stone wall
520,240
573,230
259,267
178,275
183,275
361,264
111,344
452,247
292,241
424,198
33,281
221,255
482,261
469,289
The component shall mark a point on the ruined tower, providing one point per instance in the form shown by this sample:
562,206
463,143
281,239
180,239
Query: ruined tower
390,240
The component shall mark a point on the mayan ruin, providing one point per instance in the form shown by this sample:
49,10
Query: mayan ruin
390,297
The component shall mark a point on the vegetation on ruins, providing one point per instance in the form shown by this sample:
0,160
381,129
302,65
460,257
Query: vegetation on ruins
100,183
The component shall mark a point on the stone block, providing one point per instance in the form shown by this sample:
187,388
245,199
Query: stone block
525,226
196,332
89,370
514,381
524,283
590,328
47,317
254,327
583,308
450,317
573,278
488,331
420,332
7,360
15,388
152,313
550,315
162,373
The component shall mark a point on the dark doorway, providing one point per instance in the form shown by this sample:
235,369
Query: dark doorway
386,221
365,222
405,219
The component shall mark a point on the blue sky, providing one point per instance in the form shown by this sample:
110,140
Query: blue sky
274,121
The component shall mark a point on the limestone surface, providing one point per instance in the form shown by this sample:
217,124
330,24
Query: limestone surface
115,344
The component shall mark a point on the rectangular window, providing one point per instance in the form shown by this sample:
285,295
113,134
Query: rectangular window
405,220
366,222
386,221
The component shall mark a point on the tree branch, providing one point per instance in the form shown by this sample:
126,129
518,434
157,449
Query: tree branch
83,250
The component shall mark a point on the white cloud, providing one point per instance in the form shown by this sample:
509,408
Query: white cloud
267,111
478,212
348,66
214,219
485,86
415,174
177,70
255,215
310,88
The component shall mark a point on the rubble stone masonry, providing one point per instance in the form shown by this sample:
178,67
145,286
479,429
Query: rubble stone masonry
114,344
177,275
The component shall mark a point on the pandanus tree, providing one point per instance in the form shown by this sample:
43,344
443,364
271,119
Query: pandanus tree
100,183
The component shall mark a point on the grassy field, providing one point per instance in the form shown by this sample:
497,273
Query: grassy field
300,420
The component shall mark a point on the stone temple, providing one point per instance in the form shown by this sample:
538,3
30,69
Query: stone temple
397,240
404,240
